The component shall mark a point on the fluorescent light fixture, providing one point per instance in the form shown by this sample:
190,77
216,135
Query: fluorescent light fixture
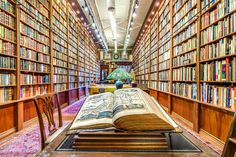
93,25
134,14
86,8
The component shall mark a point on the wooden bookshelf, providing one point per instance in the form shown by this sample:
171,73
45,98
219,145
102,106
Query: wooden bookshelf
42,50
196,37
8,51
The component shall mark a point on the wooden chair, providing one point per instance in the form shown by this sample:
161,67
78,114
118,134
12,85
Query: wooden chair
230,144
48,107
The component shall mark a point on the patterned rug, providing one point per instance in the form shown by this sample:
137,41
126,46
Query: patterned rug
26,142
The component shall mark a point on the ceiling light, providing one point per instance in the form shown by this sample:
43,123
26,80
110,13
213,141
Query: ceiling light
132,23
86,8
153,12
98,36
93,25
149,20
82,18
73,4
134,14
145,26
77,11
157,3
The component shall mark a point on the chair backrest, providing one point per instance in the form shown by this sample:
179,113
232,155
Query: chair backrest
48,108
230,144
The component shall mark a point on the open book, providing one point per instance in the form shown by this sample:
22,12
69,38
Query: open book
127,109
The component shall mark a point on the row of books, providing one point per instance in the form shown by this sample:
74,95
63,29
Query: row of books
30,32
60,63
60,87
188,32
32,44
58,70
7,62
7,19
7,34
32,66
215,31
60,79
189,45
185,90
73,85
164,48
7,79
184,74
165,56
27,79
72,78
33,55
223,47
6,94
185,59
192,15
59,55
164,86
164,75
164,65
7,48
222,96
60,40
73,72
29,20
7,6
27,7
222,70
30,91
153,84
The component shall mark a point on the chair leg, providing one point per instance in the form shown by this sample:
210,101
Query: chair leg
229,149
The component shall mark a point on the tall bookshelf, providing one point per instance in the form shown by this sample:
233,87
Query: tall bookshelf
34,48
60,45
42,50
196,60
81,58
218,53
164,47
8,51
73,49
154,50
184,48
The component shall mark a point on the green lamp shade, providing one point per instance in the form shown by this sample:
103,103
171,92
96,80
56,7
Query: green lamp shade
119,74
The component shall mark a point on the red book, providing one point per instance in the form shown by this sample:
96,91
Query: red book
227,69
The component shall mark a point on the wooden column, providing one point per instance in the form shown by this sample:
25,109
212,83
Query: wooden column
20,105
68,64
51,48
171,55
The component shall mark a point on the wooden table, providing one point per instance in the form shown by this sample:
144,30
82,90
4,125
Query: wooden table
50,151
95,89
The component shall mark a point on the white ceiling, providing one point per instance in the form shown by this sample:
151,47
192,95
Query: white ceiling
122,14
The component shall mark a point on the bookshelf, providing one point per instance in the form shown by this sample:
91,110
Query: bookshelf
153,55
81,58
60,45
73,49
34,48
164,47
196,62
40,52
8,53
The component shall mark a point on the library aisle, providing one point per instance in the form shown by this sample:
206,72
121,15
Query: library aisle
57,56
